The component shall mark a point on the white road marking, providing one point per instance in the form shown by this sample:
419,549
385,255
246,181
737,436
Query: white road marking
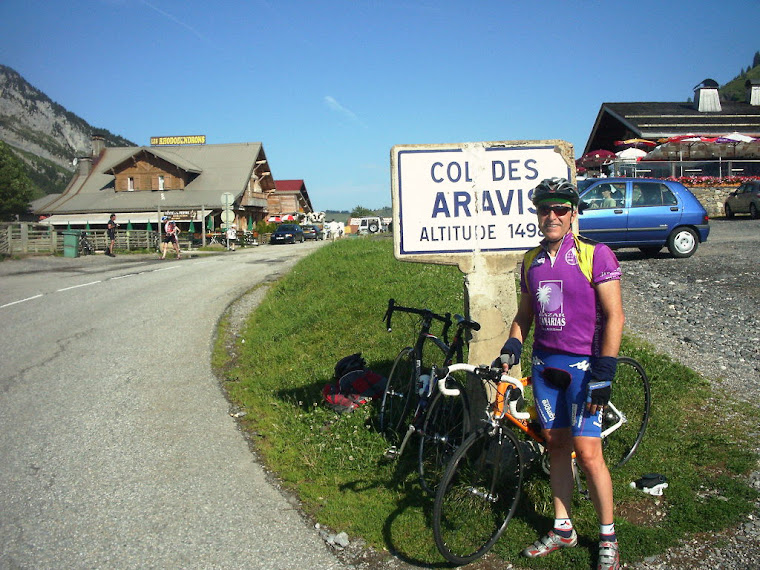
20,301
77,286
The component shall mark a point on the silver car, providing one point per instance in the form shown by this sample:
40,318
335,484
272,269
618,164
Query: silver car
744,200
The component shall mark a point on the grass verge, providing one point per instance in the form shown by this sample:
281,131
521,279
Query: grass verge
331,304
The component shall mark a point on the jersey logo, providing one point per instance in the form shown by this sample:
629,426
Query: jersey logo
551,299
570,257
584,365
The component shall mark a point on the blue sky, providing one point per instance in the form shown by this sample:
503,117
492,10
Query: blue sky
329,87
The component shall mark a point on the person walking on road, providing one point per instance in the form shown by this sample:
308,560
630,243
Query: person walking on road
231,237
571,293
111,232
171,236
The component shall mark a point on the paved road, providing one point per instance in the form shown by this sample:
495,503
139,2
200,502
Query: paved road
116,442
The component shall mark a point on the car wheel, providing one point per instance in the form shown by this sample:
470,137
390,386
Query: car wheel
729,211
754,214
650,250
683,242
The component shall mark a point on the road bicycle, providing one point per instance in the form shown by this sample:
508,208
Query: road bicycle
442,422
481,486
85,246
249,239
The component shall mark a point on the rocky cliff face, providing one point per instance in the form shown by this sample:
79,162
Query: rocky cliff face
43,134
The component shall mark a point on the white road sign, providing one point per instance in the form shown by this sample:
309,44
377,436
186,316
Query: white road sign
470,197
227,200
228,216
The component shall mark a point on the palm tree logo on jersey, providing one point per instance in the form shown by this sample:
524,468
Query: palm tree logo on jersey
550,299
544,295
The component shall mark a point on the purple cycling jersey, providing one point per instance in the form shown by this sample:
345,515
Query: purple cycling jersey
568,317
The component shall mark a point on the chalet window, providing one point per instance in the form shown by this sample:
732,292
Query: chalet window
160,182
130,184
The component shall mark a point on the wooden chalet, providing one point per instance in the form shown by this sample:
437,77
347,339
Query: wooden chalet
185,182
289,198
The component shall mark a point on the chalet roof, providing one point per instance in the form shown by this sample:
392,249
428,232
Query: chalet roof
289,185
173,157
220,168
652,121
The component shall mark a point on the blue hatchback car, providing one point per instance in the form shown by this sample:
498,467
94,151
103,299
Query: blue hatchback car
642,212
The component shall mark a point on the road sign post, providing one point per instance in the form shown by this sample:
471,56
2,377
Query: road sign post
469,204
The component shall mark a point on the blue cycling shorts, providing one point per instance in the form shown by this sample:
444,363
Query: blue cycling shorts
561,401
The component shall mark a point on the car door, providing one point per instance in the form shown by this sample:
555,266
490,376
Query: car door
655,211
600,220
743,197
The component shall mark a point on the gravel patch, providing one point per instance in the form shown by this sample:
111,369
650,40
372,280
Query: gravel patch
702,311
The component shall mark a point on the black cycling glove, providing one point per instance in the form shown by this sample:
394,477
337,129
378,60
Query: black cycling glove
511,352
603,370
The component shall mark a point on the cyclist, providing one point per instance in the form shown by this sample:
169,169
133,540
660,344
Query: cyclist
571,291
171,233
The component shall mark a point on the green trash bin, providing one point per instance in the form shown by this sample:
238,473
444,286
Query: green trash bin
71,243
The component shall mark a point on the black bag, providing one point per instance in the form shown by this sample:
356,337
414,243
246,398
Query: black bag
349,364
353,385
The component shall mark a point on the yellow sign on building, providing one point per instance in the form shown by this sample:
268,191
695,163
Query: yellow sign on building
192,139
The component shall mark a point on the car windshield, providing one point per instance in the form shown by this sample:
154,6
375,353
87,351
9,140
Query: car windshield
286,228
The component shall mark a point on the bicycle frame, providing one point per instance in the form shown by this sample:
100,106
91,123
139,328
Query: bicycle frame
455,348
504,388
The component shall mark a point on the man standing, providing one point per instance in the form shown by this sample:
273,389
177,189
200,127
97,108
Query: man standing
571,291
111,231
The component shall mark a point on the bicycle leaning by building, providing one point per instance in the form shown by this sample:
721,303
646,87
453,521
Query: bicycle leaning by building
85,246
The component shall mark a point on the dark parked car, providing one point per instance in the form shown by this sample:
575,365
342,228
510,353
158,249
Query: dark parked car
644,213
313,232
744,200
287,233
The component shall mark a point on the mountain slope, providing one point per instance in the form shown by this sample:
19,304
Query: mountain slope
44,135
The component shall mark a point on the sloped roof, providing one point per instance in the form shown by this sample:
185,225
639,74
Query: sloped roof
221,168
289,185
620,121
174,158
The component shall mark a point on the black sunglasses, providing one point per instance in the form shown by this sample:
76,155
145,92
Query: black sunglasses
558,210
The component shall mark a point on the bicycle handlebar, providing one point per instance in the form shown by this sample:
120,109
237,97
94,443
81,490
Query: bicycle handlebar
497,375
425,313
466,323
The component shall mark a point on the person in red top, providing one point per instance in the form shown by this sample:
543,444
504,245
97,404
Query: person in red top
578,321
171,233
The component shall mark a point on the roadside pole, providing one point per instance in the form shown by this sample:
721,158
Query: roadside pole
469,204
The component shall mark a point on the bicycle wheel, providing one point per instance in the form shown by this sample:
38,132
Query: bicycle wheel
478,495
399,397
631,398
446,425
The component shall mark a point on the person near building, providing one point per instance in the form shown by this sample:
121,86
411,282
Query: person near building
231,237
111,233
571,294
171,236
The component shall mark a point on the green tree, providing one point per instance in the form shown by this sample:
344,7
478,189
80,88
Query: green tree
756,59
15,186
361,212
